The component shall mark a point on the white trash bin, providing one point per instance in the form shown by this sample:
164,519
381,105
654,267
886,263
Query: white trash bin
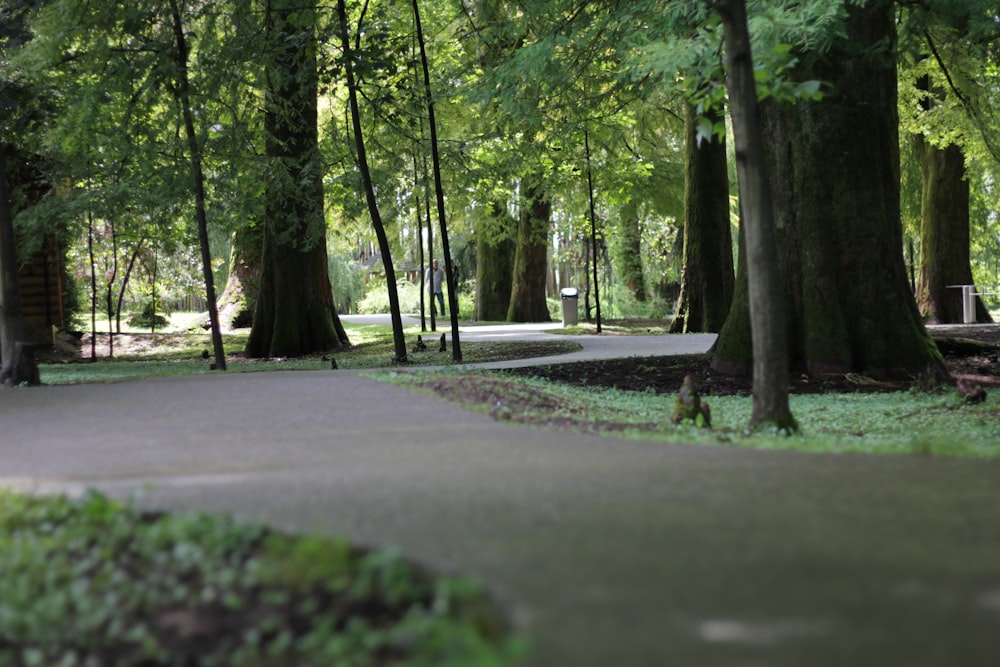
570,306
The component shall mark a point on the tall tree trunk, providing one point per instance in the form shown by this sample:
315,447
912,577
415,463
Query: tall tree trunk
449,270
239,298
369,187
111,275
835,182
527,295
93,285
593,225
767,311
11,316
198,178
418,210
109,300
944,234
430,231
628,250
707,277
124,285
295,312
494,259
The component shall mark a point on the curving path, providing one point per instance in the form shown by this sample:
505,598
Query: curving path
606,552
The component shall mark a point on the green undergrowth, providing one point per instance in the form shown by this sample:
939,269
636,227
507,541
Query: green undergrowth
875,423
97,583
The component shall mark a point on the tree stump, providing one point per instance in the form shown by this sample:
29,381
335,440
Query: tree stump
23,368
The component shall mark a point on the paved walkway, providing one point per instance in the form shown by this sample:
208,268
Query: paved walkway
606,552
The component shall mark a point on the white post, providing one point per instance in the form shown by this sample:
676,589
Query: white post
969,304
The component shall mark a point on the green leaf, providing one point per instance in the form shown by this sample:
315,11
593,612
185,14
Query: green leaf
809,90
705,130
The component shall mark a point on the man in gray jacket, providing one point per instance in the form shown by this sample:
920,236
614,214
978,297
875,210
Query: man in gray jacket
433,279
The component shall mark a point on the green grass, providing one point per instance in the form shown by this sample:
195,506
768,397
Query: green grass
180,353
906,422
617,328
901,422
99,583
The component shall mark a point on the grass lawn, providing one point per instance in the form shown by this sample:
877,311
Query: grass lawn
903,422
179,350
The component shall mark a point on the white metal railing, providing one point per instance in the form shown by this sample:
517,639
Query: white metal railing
969,294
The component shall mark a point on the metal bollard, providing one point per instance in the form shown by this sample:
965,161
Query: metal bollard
969,304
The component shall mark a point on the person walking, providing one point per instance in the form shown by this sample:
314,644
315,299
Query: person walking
433,279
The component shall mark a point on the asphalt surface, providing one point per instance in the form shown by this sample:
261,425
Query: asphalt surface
605,552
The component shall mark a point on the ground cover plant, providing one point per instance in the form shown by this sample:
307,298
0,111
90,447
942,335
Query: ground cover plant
918,422
634,397
99,583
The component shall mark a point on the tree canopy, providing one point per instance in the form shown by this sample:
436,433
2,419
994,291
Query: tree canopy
562,140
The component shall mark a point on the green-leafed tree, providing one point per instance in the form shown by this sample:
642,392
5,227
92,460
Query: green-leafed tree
947,91
11,315
516,101
495,258
131,123
295,313
707,277
835,181
493,38
527,295
629,249
238,300
181,88
368,184
767,314
12,33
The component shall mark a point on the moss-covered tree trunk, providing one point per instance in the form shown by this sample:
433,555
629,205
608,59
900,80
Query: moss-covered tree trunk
834,170
494,264
527,295
628,250
707,276
944,234
295,312
239,298
11,315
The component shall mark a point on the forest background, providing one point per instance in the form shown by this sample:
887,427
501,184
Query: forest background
157,138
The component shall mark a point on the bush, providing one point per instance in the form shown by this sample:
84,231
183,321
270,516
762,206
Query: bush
99,583
147,317
376,301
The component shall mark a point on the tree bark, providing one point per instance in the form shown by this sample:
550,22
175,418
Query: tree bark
399,343
494,259
11,316
629,251
767,311
449,270
944,234
707,276
835,180
239,298
527,296
198,179
295,312
593,224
